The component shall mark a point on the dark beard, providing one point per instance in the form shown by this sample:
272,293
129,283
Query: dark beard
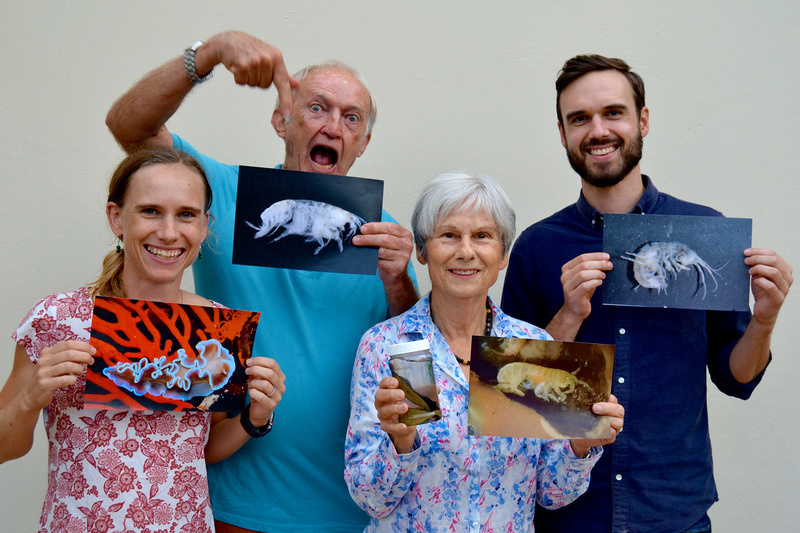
607,175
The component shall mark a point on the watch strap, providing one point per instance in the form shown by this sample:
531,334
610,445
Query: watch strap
248,426
191,67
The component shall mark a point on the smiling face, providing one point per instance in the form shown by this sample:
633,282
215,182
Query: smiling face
464,256
162,223
328,127
602,131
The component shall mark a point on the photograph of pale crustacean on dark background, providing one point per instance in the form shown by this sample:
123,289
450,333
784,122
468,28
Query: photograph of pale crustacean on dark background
681,262
538,389
304,221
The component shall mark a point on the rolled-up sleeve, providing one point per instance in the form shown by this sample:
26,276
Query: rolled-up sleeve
724,329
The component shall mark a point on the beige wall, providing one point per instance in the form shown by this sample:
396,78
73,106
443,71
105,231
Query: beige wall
460,86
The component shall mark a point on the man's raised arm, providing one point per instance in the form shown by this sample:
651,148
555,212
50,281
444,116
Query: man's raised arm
138,118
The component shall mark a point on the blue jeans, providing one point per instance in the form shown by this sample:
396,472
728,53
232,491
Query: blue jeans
702,526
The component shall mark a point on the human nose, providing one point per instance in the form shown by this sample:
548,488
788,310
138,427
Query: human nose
168,231
333,124
465,249
599,129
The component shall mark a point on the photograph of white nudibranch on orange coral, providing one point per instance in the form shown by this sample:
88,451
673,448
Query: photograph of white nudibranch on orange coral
155,356
681,262
538,389
304,220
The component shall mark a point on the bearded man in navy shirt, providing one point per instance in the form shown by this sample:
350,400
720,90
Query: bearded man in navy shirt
658,475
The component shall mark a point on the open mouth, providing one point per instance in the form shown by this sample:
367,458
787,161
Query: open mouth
164,255
601,147
602,151
464,272
323,157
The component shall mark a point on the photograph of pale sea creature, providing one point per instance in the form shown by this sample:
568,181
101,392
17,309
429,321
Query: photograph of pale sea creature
316,221
656,262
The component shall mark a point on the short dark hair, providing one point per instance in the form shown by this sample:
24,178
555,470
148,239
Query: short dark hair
584,64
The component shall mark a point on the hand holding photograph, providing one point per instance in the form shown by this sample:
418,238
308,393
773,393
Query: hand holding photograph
538,389
304,221
682,262
155,356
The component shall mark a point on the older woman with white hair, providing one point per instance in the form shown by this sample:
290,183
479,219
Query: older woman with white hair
436,477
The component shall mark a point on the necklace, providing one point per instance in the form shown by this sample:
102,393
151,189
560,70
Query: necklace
486,333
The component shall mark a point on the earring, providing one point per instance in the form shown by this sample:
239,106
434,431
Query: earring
119,248
200,253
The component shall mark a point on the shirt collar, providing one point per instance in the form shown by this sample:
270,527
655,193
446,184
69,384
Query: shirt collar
645,204
417,320
416,324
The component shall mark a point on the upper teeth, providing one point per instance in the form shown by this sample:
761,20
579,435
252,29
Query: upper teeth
166,254
464,272
602,151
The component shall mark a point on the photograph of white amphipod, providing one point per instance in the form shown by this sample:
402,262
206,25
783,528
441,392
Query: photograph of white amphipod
681,262
304,221
538,389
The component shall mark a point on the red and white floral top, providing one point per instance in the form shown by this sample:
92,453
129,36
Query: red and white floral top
114,471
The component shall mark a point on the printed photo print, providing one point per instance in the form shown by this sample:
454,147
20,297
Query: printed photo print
305,221
154,356
538,389
681,262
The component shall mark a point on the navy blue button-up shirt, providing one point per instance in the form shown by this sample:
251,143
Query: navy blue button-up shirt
657,476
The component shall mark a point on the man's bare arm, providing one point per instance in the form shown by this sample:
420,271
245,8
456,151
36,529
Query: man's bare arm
138,118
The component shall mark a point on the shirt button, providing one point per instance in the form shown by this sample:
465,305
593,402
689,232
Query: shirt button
621,379
618,477
475,525
622,331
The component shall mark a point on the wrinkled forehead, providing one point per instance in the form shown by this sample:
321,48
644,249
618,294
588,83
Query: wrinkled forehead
335,83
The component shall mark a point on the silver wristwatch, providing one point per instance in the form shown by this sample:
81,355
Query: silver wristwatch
188,63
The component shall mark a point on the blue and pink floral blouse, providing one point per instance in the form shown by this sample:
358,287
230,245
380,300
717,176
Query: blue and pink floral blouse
451,481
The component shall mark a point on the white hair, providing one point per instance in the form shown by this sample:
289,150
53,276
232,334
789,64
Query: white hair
338,65
461,192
